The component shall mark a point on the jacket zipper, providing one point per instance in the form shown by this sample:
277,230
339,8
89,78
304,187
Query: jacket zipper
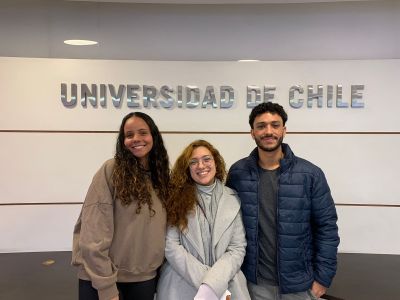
258,214
276,232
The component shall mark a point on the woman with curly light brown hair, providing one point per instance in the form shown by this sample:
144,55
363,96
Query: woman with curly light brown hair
205,242
119,238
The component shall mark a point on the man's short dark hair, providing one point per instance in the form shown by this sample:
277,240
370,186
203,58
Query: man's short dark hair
272,108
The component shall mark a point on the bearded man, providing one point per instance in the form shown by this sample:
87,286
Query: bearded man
288,213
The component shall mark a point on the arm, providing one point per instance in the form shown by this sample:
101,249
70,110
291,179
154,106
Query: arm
325,232
183,262
97,229
227,266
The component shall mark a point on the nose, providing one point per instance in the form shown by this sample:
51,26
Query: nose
200,164
135,137
268,129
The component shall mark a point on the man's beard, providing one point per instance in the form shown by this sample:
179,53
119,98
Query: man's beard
269,149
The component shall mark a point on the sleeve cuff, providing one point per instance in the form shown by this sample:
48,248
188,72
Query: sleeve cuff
108,293
217,288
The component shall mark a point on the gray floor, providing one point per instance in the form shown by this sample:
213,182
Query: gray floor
24,276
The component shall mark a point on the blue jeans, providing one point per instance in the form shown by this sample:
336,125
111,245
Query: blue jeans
269,292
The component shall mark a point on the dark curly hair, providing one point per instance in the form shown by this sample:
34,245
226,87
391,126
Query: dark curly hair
129,177
183,197
273,108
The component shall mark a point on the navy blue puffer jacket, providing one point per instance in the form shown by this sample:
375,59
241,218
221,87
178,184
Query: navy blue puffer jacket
307,234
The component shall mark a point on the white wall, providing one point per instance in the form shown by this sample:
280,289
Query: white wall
355,147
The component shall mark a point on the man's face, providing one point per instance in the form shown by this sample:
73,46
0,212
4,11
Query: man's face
268,131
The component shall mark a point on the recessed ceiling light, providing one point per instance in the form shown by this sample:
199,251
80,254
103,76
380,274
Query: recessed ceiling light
248,60
80,42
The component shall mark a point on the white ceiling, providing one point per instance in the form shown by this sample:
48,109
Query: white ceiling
285,31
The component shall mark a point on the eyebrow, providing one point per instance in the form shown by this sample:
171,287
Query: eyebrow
272,122
204,156
140,129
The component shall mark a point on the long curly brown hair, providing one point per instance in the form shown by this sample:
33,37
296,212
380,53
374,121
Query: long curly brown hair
182,200
129,177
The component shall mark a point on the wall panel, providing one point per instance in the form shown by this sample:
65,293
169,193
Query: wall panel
31,228
57,168
49,152
35,228
369,230
42,167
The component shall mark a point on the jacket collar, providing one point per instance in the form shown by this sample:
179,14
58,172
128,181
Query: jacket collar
226,213
193,234
285,164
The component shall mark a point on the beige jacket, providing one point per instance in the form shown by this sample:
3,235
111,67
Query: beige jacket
112,242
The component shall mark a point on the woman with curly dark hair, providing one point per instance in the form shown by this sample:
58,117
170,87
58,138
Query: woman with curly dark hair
205,243
119,238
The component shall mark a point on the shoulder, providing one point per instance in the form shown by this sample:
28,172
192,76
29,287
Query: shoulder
246,163
306,166
243,165
298,164
240,164
109,164
101,189
228,191
244,170
105,171
231,195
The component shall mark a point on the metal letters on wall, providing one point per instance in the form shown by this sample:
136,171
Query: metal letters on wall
193,97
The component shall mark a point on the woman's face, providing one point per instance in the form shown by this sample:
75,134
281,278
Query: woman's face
138,139
202,166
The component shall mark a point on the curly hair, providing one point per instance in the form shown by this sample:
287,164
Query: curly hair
129,177
183,198
272,108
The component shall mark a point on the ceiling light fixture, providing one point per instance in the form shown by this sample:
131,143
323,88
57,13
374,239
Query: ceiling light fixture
80,42
248,60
